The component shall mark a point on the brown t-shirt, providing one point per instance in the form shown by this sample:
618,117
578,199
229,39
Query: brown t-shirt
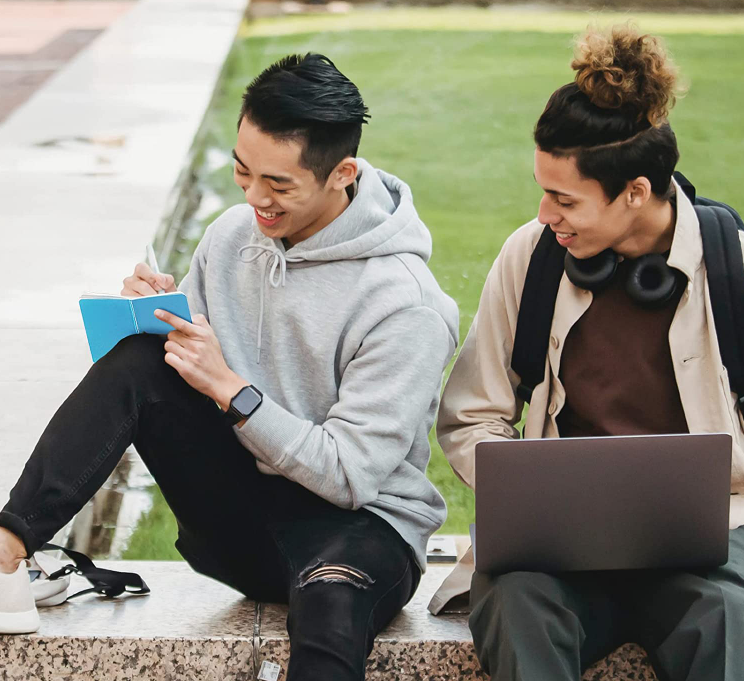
617,368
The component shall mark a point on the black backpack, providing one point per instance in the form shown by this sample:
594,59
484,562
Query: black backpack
719,227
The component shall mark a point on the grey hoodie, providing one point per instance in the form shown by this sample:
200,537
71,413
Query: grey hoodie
346,335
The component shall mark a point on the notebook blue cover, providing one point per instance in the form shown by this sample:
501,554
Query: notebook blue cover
108,319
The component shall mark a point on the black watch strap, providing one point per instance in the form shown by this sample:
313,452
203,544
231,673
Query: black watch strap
243,404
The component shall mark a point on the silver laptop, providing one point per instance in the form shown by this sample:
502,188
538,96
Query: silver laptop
604,503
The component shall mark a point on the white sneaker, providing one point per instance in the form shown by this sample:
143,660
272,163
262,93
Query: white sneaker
47,592
18,613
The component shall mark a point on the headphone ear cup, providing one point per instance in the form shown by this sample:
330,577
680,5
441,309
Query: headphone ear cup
593,273
651,282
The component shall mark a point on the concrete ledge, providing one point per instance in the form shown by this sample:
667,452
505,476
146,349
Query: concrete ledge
188,627
193,627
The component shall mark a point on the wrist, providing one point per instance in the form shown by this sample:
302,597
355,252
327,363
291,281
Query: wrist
227,389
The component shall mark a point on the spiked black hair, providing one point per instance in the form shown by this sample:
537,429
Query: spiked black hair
307,98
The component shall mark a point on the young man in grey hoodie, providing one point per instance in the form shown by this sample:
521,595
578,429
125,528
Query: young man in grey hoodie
287,425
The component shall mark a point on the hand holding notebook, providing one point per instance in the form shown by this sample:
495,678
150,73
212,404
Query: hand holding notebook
109,318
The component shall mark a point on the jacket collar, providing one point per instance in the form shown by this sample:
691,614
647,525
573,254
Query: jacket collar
686,254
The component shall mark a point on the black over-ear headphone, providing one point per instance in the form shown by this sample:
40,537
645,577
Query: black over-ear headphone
650,283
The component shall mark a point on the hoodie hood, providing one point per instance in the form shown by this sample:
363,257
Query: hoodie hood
380,220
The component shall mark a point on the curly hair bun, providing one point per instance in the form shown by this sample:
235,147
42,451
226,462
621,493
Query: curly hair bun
619,68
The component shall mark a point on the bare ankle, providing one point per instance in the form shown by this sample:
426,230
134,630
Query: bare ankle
12,551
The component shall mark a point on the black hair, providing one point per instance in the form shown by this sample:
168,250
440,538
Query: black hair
307,98
613,118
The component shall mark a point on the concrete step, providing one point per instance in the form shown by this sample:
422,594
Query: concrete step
191,627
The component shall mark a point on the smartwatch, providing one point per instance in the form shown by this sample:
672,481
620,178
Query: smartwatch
243,404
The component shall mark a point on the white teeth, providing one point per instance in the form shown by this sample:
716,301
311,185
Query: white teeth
267,216
564,235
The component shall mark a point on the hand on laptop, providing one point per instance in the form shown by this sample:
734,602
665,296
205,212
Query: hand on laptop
144,282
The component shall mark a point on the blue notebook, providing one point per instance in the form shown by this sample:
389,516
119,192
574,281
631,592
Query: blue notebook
108,319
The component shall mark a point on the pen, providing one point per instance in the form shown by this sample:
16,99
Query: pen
152,261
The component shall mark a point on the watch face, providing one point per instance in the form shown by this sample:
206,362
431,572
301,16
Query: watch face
246,401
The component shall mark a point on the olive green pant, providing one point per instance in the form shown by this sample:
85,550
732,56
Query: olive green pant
532,626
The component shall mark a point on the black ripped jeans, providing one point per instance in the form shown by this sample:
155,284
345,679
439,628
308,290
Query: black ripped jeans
345,574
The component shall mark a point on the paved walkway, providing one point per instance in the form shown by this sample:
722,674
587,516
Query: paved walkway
88,170
38,38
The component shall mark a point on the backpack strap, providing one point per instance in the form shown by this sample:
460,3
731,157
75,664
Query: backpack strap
725,272
687,187
536,308
110,583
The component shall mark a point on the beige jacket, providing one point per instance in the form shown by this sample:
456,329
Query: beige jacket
479,401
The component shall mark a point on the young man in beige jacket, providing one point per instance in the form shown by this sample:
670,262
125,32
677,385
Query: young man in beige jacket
604,159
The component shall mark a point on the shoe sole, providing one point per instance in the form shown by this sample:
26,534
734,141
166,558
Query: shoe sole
19,622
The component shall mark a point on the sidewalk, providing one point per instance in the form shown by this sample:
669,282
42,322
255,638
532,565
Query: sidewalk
38,38
89,166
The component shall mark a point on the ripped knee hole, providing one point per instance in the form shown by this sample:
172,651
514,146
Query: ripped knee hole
335,574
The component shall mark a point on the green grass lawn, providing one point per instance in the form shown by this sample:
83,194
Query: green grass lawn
452,115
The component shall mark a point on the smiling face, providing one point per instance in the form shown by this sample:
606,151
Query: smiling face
578,211
288,200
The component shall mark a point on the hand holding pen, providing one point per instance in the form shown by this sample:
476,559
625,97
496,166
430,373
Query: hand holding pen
147,280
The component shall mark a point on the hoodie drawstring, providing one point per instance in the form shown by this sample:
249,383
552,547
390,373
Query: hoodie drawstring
277,276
